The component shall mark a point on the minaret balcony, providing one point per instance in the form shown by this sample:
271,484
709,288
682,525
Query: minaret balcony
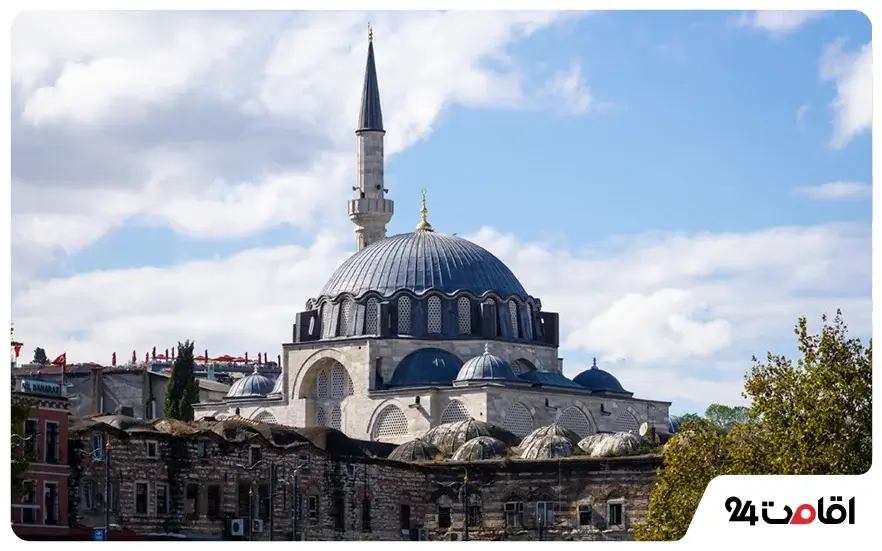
371,206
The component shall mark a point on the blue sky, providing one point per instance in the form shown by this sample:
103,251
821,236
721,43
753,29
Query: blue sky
680,134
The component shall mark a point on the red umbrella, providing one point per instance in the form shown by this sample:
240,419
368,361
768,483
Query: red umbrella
225,358
200,358
240,359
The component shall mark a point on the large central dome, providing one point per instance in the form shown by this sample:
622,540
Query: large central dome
422,261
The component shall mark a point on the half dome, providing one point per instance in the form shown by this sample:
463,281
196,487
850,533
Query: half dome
422,261
252,386
486,367
426,367
482,448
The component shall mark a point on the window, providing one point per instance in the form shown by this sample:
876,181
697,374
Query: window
263,501
366,514
514,514
312,506
50,500
161,499
404,517
254,455
545,513
31,429
585,515
616,515
244,499
192,501
339,510
87,494
97,443
29,497
213,497
444,520
464,311
140,498
52,442
404,315
201,449
434,307
390,422
475,516
152,448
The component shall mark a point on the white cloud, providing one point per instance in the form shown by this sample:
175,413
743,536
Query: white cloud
852,73
216,124
778,22
801,113
677,315
837,191
568,91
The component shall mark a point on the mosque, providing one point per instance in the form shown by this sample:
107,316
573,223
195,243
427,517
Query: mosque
423,329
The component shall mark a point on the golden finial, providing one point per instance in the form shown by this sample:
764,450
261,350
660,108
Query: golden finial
424,223
370,33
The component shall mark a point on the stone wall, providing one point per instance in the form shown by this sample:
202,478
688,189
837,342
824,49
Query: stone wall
334,491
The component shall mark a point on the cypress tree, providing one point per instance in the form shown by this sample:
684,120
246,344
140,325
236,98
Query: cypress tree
183,388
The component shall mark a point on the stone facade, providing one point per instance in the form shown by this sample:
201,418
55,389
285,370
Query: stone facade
199,483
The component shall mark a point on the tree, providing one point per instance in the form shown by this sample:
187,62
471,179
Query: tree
22,449
808,417
40,357
725,417
183,388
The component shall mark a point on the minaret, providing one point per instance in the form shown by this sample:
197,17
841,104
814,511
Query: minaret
370,211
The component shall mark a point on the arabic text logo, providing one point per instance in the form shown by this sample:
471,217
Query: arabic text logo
834,513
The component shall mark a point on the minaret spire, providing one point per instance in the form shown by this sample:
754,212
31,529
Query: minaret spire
370,211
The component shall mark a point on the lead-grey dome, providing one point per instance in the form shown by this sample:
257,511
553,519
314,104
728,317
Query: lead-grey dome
486,367
550,446
450,436
415,450
599,380
252,386
482,448
551,430
612,445
422,261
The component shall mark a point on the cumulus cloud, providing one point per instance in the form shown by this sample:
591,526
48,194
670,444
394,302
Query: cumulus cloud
193,119
837,191
778,22
852,74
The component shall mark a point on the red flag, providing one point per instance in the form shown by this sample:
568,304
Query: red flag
60,360
154,352
166,353
113,359
134,357
17,350
246,356
147,357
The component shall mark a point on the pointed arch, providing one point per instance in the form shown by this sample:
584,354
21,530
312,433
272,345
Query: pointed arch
455,411
266,417
626,421
574,419
518,420
390,422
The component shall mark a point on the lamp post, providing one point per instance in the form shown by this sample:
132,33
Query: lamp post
273,469
107,489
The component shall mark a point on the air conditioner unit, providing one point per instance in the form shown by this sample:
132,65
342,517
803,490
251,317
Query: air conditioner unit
424,534
237,527
256,525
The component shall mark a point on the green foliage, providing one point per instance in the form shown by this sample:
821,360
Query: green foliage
725,417
22,450
808,417
183,388
40,357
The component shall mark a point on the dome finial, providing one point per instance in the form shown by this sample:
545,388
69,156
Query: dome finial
594,363
370,32
486,348
424,223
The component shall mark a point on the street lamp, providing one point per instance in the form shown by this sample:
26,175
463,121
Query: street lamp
273,468
464,496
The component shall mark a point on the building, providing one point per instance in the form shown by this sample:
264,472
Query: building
212,478
43,509
425,328
136,389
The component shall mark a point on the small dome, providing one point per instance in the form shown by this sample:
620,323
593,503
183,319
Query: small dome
482,448
252,386
612,445
550,446
599,380
426,367
450,436
415,450
486,367
548,378
551,430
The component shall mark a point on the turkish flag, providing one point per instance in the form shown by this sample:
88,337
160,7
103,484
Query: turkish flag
17,350
134,357
60,360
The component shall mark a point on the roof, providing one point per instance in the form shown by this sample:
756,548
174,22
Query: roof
599,380
426,367
449,437
420,262
549,378
252,386
370,116
486,367
481,448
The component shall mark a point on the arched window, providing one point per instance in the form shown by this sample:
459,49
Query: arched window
347,317
327,330
573,419
266,417
321,419
464,311
321,385
494,330
390,422
404,315
513,313
370,317
455,411
518,420
341,384
336,416
434,307
626,422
